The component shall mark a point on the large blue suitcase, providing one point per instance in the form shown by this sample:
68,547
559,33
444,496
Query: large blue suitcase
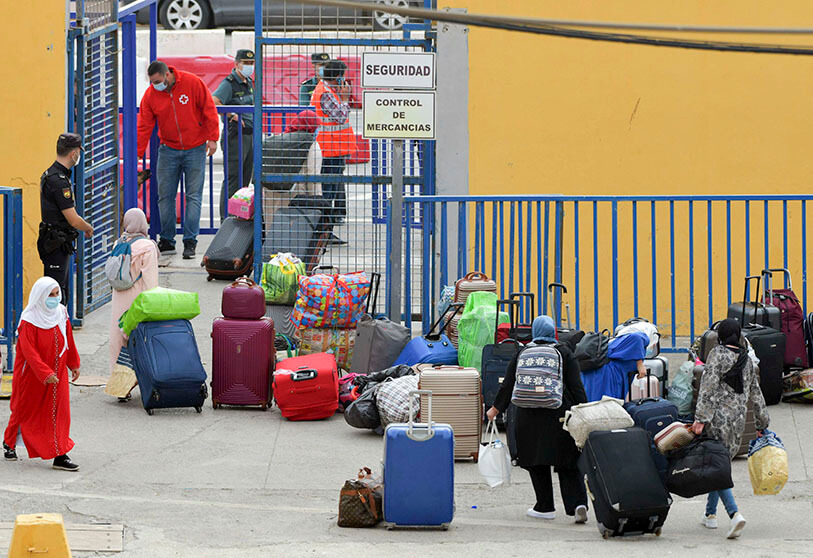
653,414
167,364
432,348
419,472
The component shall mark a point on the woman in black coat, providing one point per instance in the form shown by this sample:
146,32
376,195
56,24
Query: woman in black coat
541,441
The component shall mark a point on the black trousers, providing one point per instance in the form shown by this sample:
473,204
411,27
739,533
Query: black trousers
232,183
335,192
571,484
57,265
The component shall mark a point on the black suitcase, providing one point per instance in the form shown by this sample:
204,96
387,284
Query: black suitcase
496,358
621,480
300,231
285,154
754,311
231,253
769,346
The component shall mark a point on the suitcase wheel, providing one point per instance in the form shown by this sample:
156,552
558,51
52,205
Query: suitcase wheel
149,411
606,533
210,278
199,409
658,532
265,406
215,405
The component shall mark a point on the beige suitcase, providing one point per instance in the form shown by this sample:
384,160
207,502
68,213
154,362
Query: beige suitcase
473,282
456,400
673,437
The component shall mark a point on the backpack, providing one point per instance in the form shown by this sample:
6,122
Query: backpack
117,267
538,383
591,351
653,349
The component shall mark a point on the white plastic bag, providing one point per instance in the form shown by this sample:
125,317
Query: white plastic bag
494,461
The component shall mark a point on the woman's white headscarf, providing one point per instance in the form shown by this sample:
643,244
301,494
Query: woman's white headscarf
39,315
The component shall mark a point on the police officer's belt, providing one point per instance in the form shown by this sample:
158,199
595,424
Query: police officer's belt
52,238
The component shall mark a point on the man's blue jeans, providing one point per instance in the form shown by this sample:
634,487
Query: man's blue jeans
171,164
727,496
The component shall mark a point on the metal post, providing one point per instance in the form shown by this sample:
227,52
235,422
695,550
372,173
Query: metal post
155,222
128,31
396,231
258,139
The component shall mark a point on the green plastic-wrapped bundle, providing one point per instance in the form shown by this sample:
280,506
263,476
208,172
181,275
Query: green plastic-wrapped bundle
157,305
476,327
280,278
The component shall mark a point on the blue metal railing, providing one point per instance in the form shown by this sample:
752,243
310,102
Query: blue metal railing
12,267
669,259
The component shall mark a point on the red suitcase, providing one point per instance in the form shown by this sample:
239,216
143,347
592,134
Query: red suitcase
307,387
243,300
242,362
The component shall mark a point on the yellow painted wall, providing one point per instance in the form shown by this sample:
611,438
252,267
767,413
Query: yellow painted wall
32,110
554,115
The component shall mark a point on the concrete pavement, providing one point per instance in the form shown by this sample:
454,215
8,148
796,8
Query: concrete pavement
242,482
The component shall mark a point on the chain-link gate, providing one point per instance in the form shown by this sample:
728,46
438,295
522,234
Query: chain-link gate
331,210
95,82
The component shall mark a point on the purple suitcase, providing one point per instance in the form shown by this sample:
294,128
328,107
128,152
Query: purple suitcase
243,300
242,362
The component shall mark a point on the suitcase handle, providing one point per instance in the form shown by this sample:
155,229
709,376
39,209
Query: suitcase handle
243,281
411,434
746,297
375,286
431,336
557,317
768,274
303,374
511,305
518,296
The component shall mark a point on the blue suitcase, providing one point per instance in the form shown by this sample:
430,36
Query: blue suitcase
431,348
167,364
418,472
653,414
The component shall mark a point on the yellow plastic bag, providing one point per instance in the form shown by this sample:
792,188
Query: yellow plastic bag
767,465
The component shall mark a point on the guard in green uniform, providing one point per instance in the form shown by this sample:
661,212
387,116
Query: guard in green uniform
60,223
237,89
306,88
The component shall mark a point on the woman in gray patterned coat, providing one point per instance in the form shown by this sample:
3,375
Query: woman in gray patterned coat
729,381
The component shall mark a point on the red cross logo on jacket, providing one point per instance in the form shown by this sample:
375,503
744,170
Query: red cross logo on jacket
183,99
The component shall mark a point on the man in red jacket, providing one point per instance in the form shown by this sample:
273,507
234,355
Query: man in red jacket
188,128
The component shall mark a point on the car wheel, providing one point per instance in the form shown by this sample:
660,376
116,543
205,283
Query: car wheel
390,22
185,14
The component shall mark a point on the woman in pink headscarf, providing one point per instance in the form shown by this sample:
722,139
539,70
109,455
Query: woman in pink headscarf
144,265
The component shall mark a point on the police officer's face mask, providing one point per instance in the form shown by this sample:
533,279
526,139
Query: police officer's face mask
320,71
247,70
77,158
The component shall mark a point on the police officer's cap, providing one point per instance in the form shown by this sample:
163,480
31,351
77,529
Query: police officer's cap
69,140
320,58
245,54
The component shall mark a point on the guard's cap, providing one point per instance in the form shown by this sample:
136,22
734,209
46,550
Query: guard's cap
245,54
320,58
69,140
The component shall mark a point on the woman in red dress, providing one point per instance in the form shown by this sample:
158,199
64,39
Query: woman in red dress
40,396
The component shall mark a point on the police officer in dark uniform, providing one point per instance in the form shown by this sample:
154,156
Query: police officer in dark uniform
60,222
237,89
319,60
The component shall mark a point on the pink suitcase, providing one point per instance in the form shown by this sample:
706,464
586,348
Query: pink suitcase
243,300
243,361
673,437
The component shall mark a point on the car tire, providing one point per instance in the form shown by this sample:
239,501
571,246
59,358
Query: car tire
185,14
383,21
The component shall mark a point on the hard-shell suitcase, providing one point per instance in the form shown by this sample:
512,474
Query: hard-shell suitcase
457,401
757,312
565,335
470,283
432,348
285,154
419,471
496,358
769,346
167,364
299,230
655,385
231,253
379,341
307,387
673,436
628,495
242,362
792,317
281,314
243,300
749,431
653,415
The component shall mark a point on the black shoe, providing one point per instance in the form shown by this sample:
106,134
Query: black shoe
64,463
335,240
9,453
189,249
166,247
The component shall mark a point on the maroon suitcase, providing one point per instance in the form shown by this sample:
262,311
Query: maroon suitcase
792,318
307,387
243,300
242,362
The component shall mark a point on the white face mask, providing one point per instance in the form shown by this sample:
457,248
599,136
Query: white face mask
247,70
159,86
78,158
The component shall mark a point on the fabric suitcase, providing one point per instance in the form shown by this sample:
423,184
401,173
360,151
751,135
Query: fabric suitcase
419,472
243,300
653,415
565,335
457,401
231,253
674,436
242,362
167,364
300,231
515,330
792,317
628,499
748,312
307,387
281,314
432,348
769,346
496,359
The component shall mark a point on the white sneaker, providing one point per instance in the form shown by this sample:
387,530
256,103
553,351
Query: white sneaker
737,524
709,521
541,515
581,514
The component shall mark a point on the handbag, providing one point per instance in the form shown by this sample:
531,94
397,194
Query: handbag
591,351
607,414
700,467
360,501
